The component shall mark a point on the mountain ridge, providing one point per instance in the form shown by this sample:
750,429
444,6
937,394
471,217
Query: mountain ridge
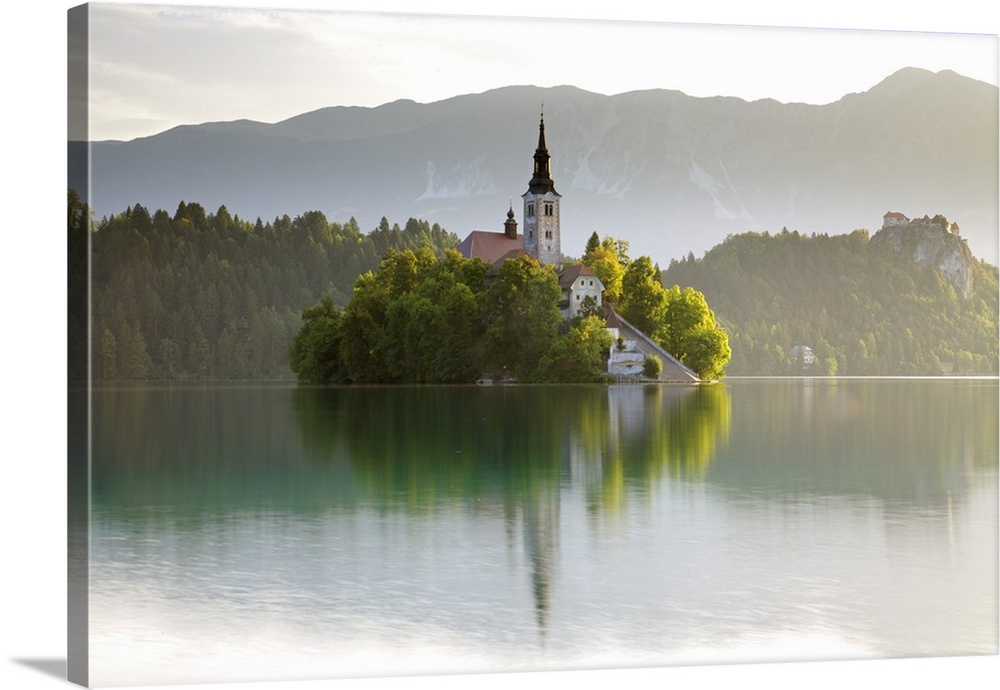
669,172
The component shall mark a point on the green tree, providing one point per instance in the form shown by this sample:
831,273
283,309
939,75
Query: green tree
685,313
409,320
457,351
199,354
268,337
652,366
134,362
580,355
363,331
233,349
169,358
708,351
521,315
608,259
315,353
605,264
643,299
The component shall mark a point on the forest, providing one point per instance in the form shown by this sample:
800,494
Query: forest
861,307
200,295
196,294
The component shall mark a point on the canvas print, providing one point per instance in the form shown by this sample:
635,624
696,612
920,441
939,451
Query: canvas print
409,344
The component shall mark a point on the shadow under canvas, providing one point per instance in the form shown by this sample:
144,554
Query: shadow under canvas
51,667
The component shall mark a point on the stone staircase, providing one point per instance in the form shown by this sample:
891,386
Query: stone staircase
673,371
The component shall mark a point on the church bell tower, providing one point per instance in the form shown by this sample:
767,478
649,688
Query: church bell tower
541,209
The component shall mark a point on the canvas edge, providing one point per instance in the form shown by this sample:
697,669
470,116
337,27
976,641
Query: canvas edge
78,356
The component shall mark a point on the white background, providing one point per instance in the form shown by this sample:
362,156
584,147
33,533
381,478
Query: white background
32,346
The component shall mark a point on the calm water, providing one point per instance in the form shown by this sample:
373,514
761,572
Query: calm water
270,532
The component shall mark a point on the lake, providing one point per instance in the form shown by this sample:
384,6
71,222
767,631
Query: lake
265,531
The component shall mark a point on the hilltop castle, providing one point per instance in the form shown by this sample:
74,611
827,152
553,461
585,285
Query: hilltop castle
894,219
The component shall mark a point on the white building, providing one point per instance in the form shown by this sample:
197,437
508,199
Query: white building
892,218
580,287
803,355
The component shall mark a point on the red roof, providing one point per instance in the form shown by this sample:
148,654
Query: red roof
571,273
512,254
488,246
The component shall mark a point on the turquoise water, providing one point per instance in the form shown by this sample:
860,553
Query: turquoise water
259,532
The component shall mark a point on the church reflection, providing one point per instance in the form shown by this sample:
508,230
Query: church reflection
519,447
503,451
524,463
539,529
518,458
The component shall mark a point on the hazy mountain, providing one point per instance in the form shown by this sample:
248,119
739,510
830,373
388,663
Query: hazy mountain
670,173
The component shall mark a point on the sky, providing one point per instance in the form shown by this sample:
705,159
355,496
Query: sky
153,67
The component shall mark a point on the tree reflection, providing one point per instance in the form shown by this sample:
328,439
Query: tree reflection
523,456
890,439
425,449
418,446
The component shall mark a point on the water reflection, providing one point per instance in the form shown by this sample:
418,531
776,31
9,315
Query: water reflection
531,527
414,448
898,441
421,444
540,526
204,451
189,456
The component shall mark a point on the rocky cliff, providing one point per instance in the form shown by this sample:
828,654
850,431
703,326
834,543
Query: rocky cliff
932,245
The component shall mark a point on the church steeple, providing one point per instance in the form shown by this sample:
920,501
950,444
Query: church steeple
541,208
510,225
541,180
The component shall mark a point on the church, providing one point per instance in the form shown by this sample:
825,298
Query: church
541,238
